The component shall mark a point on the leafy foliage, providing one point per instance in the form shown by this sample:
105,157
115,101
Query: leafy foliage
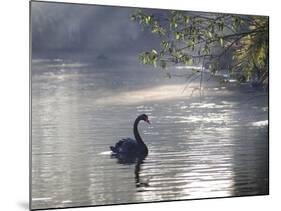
238,43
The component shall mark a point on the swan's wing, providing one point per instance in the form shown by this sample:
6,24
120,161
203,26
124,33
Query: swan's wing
125,145
124,141
128,146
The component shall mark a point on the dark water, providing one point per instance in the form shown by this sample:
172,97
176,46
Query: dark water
215,145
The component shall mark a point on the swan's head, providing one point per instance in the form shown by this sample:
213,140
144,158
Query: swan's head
144,117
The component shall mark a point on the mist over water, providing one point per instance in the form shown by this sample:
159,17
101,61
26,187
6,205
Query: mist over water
215,145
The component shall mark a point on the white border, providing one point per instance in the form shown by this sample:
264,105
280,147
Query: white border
14,88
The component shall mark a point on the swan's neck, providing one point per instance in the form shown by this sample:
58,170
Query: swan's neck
136,132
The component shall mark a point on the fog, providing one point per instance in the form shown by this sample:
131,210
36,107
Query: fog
59,29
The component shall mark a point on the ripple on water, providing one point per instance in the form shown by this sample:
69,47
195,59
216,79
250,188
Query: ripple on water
196,150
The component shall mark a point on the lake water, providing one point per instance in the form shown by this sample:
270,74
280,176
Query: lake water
215,145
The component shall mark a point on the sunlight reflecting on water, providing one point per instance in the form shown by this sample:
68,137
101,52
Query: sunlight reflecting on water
159,93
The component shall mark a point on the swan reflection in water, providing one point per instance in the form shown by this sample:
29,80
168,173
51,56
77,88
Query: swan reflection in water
130,151
139,183
138,161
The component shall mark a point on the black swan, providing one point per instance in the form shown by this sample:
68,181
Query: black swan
127,148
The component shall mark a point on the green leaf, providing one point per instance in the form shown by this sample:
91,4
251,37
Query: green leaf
155,30
165,44
173,23
206,50
147,20
154,51
186,19
177,35
188,60
190,43
221,42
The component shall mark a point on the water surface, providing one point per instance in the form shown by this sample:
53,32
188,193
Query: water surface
215,145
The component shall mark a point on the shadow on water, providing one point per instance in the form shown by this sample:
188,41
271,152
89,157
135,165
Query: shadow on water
130,160
251,166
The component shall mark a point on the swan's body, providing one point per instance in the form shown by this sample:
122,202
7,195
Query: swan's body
127,148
